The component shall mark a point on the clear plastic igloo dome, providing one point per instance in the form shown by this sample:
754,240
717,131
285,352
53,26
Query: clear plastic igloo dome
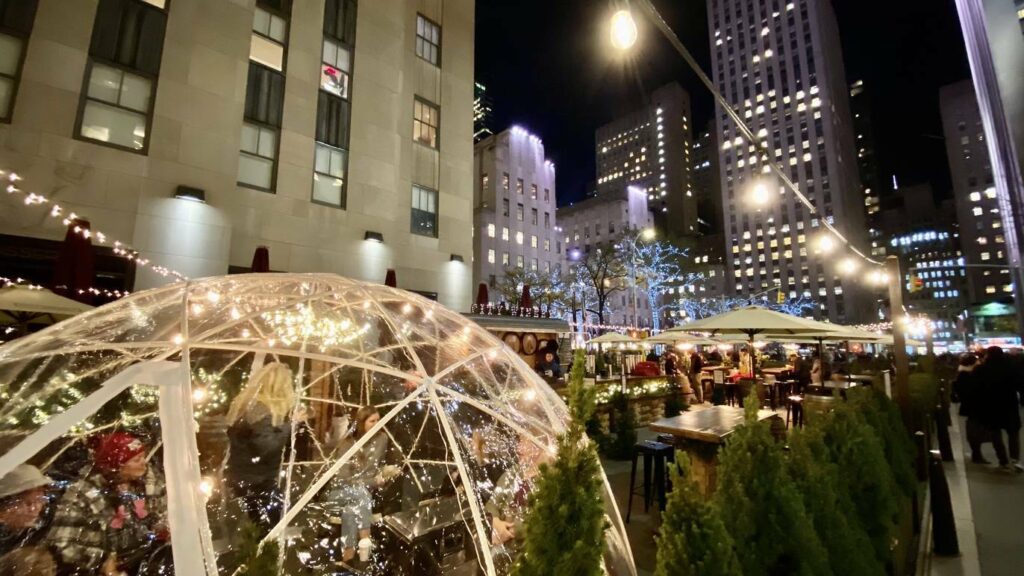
273,424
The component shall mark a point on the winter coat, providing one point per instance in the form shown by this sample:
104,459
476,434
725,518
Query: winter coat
257,447
968,390
1000,405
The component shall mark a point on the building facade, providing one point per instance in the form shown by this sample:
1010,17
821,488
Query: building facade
514,195
598,223
982,235
337,133
779,65
650,149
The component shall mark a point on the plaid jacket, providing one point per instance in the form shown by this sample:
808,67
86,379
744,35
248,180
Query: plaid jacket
87,527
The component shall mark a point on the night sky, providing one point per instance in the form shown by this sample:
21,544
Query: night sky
548,68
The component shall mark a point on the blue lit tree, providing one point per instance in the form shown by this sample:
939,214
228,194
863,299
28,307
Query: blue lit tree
659,269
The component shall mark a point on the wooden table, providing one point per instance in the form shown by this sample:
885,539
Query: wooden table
701,433
776,371
710,425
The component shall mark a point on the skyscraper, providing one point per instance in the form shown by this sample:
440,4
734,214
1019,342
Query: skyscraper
483,109
779,65
867,164
649,150
978,210
515,207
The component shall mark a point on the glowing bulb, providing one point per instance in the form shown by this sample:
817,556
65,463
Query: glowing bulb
760,194
624,32
826,243
848,266
206,487
213,297
178,339
199,395
530,395
235,314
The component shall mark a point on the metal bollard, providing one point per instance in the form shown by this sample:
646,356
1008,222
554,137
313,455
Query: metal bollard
942,432
921,461
944,540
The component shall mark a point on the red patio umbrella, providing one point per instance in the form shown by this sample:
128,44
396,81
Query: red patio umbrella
75,269
525,301
482,298
261,260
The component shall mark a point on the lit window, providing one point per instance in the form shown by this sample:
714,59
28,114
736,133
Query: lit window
268,39
428,40
490,256
519,237
426,119
336,69
533,241
986,256
424,211
504,259
329,168
977,211
256,159
490,230
519,261
975,196
504,233
116,107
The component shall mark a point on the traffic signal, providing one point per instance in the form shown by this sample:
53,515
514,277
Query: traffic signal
780,298
916,284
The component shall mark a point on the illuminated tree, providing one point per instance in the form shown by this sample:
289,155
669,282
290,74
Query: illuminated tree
548,289
604,273
659,270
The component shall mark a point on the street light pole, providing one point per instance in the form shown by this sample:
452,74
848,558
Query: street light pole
901,389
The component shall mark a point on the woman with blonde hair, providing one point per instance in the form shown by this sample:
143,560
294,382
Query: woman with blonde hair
259,431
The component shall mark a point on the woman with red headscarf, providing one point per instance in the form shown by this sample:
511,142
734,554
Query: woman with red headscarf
111,520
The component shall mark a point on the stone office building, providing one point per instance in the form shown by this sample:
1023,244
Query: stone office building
338,133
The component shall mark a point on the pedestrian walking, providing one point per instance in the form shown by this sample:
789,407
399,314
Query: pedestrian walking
969,391
1000,407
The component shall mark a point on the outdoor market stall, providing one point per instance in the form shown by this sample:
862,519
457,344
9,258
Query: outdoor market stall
182,428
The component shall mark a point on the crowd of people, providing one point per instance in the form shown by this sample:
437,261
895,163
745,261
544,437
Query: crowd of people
990,390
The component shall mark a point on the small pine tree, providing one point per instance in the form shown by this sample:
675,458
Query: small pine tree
831,510
693,540
624,428
761,507
859,453
884,416
565,524
254,560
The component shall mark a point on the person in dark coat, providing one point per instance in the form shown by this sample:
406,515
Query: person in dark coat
670,365
259,431
1000,406
549,366
969,391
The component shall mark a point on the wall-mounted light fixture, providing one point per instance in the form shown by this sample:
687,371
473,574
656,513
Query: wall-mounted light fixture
456,258
375,236
190,193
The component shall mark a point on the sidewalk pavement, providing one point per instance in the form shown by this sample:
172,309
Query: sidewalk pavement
989,509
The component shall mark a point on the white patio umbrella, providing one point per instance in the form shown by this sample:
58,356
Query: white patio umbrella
614,338
23,305
673,338
754,321
887,340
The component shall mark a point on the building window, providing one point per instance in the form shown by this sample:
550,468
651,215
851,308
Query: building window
533,191
490,230
533,264
547,220
269,36
547,245
336,71
519,238
329,175
428,40
256,160
504,259
504,233
519,261
504,181
533,241
547,195
490,256
519,186
16,22
333,108
519,212
424,211
484,181
533,216
124,62
504,207
426,119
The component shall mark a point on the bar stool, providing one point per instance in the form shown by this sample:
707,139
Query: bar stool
655,455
